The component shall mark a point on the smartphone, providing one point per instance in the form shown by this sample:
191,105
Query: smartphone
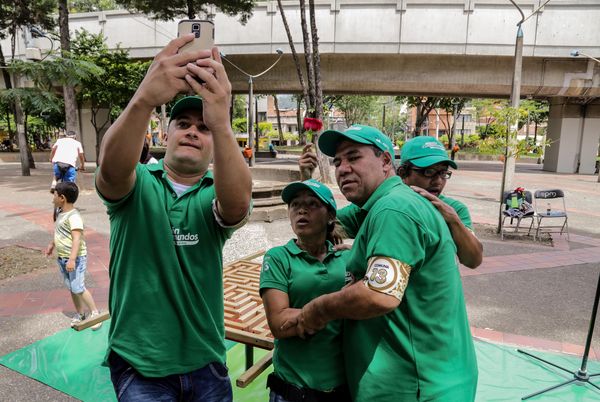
204,34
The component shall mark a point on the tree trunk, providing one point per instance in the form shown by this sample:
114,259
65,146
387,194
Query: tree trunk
71,110
294,53
28,148
279,129
301,133
310,101
22,139
190,10
322,160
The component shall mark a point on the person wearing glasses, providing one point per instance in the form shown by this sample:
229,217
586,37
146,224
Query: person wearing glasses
424,165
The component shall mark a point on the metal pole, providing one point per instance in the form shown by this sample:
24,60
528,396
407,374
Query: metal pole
508,171
251,119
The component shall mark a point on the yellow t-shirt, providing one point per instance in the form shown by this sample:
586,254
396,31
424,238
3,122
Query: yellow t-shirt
66,222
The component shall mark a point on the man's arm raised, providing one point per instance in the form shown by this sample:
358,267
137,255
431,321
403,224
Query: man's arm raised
122,144
233,182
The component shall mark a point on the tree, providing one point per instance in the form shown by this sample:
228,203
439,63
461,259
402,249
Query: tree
13,15
453,107
313,95
278,113
423,105
356,108
86,6
169,10
487,109
71,108
111,90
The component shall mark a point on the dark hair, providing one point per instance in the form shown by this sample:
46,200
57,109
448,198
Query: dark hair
378,152
69,190
404,169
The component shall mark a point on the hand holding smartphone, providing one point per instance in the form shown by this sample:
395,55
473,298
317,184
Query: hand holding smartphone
204,34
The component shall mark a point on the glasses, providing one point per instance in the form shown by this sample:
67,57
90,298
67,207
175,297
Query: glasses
430,173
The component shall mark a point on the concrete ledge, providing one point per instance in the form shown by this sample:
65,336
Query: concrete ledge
38,156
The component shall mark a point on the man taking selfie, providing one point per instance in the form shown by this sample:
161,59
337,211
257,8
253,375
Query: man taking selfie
169,222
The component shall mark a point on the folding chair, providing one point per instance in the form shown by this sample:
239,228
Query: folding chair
513,210
550,205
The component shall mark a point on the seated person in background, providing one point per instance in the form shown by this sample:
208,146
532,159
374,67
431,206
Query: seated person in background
292,275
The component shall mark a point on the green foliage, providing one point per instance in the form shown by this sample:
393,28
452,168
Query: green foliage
239,125
120,76
168,10
356,108
18,13
239,106
85,6
265,126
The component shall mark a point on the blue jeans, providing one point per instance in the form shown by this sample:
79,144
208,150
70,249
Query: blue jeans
68,175
74,280
207,384
273,397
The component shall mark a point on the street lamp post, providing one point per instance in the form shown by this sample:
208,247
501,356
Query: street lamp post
576,53
251,98
508,171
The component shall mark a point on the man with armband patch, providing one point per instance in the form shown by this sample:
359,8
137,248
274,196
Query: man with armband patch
406,332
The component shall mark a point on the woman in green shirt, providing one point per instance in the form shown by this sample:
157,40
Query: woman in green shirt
309,369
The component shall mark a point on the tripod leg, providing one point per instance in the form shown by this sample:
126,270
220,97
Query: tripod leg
594,385
545,361
548,389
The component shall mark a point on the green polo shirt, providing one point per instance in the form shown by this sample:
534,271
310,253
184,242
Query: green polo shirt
423,349
461,210
166,282
352,216
315,362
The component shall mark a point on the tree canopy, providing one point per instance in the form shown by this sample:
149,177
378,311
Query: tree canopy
168,10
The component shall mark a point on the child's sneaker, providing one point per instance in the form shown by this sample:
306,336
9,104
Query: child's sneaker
77,318
95,327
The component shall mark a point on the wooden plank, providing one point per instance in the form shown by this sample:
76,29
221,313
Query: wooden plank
255,370
88,322
249,338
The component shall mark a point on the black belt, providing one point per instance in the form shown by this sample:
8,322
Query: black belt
293,393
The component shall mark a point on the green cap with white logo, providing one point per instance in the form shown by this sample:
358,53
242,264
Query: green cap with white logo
425,151
319,189
188,103
330,139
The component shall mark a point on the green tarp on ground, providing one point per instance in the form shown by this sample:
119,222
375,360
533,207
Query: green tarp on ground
69,361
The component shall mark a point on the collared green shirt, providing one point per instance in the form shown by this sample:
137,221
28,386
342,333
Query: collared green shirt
461,210
166,282
423,349
351,215
316,362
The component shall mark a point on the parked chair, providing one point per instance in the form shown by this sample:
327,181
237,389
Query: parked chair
550,206
517,208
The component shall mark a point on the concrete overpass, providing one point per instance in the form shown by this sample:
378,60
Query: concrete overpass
417,47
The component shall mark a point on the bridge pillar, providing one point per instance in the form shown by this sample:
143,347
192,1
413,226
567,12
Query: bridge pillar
574,133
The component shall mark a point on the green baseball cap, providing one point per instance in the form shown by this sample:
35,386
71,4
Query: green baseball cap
189,102
330,139
425,151
319,189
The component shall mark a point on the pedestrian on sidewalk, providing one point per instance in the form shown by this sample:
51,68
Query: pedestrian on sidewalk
72,253
168,224
64,156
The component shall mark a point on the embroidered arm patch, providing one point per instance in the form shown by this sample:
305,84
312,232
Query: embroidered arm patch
388,276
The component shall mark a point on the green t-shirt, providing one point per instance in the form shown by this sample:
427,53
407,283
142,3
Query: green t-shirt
461,210
66,222
166,276
352,216
424,347
316,362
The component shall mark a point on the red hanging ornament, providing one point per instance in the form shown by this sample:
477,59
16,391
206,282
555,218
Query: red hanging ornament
312,124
